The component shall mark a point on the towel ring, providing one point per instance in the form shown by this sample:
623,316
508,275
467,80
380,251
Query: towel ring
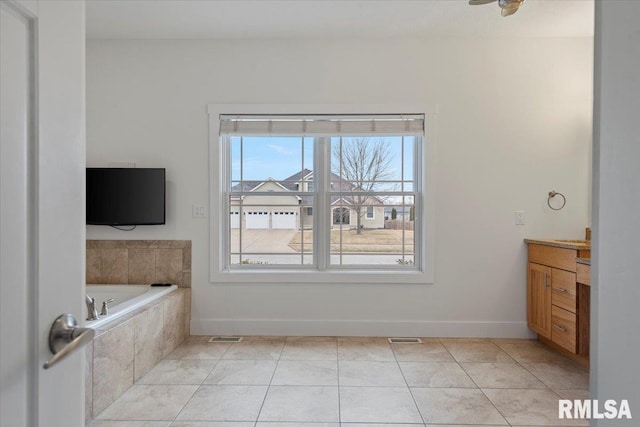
553,194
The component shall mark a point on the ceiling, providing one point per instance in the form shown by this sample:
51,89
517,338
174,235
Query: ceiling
332,19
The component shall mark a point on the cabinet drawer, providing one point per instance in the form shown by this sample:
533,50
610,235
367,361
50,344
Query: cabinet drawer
563,289
564,259
563,328
583,274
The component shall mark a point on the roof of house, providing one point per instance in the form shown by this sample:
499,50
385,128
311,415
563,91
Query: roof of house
291,183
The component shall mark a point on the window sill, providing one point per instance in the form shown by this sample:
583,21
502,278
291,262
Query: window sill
272,276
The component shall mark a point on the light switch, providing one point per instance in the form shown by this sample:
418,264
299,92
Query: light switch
198,211
519,217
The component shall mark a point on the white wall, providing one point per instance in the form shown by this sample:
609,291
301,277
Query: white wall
614,274
514,123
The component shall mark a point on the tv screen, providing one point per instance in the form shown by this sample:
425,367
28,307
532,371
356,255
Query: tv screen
131,196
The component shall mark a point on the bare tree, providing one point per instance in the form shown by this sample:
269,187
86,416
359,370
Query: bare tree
361,162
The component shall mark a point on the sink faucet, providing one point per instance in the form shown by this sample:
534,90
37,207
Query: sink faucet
92,311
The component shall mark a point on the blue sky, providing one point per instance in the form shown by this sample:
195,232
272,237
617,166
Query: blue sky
281,157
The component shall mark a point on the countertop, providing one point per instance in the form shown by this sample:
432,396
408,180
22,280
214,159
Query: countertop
562,243
585,261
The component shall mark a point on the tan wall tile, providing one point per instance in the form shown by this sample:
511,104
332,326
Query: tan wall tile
186,258
113,266
142,265
169,265
113,365
88,383
186,279
111,244
142,244
93,266
173,322
148,340
187,314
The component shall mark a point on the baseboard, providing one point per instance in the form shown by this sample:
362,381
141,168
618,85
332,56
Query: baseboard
365,328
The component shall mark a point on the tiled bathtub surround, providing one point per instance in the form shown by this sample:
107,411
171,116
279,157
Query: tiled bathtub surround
139,261
126,350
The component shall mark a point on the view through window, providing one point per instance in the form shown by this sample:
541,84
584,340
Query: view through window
322,192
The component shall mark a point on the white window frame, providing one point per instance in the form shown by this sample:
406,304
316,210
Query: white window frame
373,213
219,221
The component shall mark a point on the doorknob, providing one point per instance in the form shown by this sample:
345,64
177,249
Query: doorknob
65,336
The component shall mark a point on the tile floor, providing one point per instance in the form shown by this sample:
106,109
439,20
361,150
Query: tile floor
352,382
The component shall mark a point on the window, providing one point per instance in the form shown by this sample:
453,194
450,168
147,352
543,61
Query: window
369,214
312,193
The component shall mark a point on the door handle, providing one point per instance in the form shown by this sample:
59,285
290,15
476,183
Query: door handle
65,337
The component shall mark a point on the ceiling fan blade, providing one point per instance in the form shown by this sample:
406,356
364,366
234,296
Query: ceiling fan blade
508,12
480,2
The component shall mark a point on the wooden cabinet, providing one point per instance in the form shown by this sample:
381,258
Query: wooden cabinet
555,300
539,299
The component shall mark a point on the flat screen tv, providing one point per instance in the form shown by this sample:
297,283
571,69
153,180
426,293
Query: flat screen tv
125,196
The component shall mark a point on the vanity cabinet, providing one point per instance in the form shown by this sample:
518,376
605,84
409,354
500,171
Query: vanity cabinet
553,297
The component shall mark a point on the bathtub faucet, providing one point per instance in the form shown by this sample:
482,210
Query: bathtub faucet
92,311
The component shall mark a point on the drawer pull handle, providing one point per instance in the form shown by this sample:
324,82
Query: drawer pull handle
546,280
560,328
561,290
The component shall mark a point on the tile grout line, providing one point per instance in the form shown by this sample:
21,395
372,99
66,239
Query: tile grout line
273,374
338,378
407,384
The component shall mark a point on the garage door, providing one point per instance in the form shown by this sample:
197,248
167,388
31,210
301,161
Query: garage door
284,220
257,220
235,219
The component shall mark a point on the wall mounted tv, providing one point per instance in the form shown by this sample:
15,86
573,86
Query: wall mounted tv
125,196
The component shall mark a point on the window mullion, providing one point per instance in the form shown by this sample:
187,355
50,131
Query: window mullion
321,199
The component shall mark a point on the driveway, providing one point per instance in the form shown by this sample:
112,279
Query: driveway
263,241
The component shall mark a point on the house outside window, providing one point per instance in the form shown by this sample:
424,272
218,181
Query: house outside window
310,192
370,212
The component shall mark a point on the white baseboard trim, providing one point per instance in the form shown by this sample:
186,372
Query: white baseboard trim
364,328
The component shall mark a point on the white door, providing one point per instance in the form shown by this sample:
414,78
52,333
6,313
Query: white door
257,220
42,208
284,220
234,219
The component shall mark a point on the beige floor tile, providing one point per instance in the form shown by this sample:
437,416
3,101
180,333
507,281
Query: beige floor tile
435,374
564,375
198,350
426,352
382,425
224,403
378,340
310,350
149,402
476,352
255,350
301,404
179,372
306,372
455,406
573,394
530,407
358,373
501,375
294,424
199,337
373,351
377,405
530,351
211,424
242,372
311,339
272,338
98,423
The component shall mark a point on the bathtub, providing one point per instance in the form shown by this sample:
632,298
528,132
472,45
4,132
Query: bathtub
126,298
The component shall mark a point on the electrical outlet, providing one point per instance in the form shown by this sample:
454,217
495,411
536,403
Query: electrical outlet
519,217
198,211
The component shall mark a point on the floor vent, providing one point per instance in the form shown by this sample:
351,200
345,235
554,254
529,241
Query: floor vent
405,341
225,339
